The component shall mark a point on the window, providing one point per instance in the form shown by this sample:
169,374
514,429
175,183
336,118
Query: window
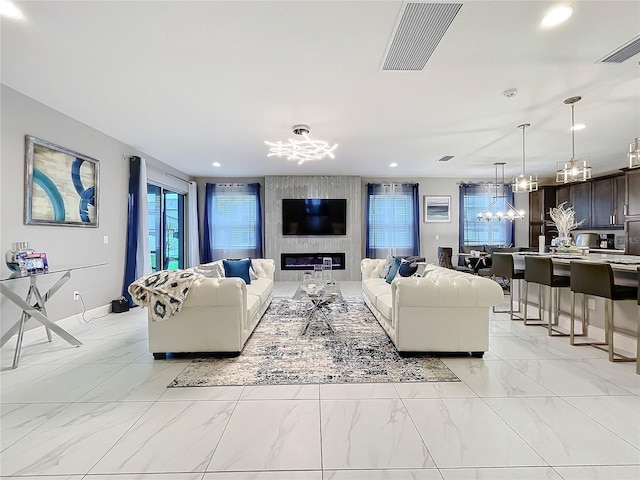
475,199
392,220
233,225
166,228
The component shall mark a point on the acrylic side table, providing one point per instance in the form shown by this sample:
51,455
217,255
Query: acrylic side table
37,310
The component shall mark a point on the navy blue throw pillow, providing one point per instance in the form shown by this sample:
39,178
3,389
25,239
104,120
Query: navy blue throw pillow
407,269
237,268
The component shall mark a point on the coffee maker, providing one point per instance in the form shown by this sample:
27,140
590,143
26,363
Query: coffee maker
608,241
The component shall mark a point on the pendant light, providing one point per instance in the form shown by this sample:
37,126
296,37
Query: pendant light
510,213
524,182
634,153
573,170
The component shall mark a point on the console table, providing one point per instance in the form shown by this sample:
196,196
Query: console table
37,311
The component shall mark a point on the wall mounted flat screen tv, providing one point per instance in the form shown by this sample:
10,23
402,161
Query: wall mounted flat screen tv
314,216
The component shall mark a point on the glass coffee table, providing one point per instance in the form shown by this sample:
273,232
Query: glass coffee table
321,295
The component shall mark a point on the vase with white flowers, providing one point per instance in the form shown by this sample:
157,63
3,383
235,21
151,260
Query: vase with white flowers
564,221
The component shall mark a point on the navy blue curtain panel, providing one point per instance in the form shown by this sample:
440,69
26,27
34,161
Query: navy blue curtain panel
259,241
369,253
205,254
416,220
132,227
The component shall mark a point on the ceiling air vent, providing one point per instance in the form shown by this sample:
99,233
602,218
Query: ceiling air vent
625,52
446,158
417,33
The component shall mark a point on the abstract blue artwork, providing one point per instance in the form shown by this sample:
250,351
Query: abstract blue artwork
61,187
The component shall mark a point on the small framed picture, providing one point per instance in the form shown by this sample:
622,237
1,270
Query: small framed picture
437,208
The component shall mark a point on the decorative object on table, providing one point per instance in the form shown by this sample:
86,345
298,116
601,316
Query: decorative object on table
36,262
634,153
317,273
307,276
564,221
510,212
524,182
437,208
15,257
302,148
67,185
276,354
327,267
573,170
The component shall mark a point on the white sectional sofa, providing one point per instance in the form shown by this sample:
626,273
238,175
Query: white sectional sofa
218,315
442,311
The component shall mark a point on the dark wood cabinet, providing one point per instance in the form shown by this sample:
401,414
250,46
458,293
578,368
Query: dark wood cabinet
632,236
563,195
607,202
540,202
580,194
633,193
632,211
620,195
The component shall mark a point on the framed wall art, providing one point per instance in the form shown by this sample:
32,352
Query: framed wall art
437,208
61,185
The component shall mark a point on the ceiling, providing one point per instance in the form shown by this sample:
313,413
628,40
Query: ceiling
191,83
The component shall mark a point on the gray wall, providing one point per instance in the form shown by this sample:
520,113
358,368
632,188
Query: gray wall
279,187
22,116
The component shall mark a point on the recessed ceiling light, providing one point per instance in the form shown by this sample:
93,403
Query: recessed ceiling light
579,126
393,165
556,16
8,9
215,164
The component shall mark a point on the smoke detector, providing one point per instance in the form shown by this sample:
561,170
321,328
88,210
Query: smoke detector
512,92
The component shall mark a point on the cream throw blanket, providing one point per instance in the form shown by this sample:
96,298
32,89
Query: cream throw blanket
163,292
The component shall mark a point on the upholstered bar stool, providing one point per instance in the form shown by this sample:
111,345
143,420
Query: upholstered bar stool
502,266
445,254
596,279
539,270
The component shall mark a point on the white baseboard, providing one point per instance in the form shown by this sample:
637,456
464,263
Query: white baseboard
68,323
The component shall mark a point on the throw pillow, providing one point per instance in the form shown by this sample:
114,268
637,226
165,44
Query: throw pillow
394,269
387,266
210,270
421,267
407,268
238,268
252,272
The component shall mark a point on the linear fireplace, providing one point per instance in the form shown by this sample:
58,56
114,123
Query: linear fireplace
306,261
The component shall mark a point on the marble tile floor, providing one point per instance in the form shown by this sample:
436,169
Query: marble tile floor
532,408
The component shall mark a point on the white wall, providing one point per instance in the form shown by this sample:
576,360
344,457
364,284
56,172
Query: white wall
22,116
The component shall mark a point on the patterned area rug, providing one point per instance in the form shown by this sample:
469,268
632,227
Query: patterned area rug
276,354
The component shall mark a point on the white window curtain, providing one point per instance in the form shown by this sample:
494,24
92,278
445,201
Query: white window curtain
193,236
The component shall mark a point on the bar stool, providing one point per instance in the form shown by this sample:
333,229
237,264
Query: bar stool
596,279
502,266
445,255
539,270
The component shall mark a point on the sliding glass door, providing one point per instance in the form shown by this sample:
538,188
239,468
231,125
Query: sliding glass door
166,228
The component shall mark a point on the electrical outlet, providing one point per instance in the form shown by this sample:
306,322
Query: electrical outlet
76,295
591,303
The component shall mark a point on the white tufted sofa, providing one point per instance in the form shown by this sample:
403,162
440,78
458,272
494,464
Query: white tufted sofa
218,315
442,311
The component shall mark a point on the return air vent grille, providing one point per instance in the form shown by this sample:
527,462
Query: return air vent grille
625,52
446,158
417,33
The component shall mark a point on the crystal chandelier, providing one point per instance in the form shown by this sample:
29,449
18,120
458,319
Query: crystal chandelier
510,212
525,182
634,153
573,170
303,149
